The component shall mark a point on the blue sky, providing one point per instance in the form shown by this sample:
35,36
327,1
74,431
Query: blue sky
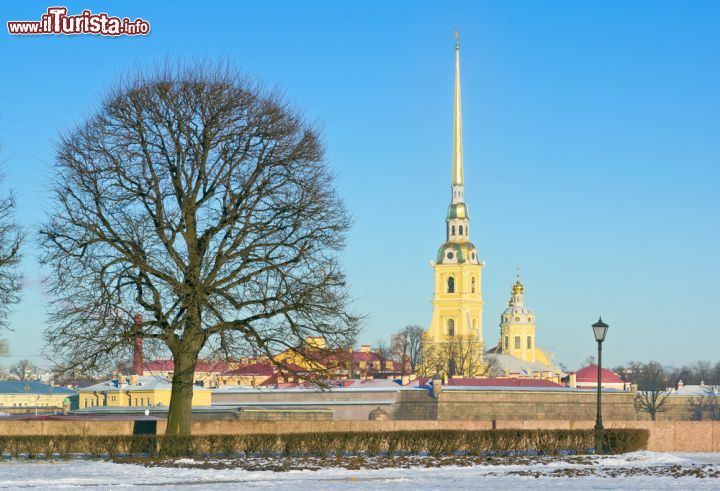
590,133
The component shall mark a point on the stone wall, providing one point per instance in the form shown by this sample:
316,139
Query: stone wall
345,404
533,405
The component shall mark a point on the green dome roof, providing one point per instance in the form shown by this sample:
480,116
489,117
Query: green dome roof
457,210
457,253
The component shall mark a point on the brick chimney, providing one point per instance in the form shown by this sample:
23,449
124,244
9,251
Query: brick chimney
137,368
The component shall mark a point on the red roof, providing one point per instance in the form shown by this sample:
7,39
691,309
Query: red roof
589,375
201,366
502,382
254,369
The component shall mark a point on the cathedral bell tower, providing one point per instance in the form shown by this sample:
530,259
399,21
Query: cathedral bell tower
517,327
457,302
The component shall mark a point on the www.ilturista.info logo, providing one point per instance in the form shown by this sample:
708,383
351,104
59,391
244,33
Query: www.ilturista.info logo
56,21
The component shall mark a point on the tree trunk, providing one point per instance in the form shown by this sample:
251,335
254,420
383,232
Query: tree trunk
180,411
652,415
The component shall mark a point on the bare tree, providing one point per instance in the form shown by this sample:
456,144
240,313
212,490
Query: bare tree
407,345
4,348
198,199
24,370
459,355
382,349
11,239
705,406
491,368
653,389
703,372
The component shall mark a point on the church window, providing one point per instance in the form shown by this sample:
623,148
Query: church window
529,342
517,319
472,285
461,230
451,285
450,255
529,319
453,230
473,255
451,327
517,342
506,342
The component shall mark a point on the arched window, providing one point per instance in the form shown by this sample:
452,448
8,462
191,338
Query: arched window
451,285
529,342
461,229
451,327
472,285
453,230
517,342
506,343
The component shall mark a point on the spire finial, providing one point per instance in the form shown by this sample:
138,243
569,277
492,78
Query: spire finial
517,288
457,122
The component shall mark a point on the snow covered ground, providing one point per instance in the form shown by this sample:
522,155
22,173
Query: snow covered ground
638,470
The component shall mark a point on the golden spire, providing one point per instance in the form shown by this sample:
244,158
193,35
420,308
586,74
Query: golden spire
457,127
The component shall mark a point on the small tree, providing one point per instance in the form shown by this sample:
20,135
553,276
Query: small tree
408,346
459,355
653,391
382,349
203,202
24,370
491,367
705,406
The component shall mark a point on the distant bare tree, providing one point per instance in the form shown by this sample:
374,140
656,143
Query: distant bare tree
382,349
703,372
24,370
459,355
705,406
198,199
4,347
491,367
653,389
408,344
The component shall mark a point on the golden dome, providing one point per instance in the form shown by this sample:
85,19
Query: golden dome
517,288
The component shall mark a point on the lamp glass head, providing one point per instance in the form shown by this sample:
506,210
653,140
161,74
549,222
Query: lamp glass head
600,330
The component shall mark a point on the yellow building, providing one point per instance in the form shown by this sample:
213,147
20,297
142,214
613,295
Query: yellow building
16,394
457,301
133,391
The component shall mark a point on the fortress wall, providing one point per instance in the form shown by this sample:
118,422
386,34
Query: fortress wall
531,405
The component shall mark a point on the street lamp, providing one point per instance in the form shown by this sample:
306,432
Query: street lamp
600,330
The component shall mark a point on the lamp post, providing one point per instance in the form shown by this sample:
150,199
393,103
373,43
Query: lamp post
599,330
